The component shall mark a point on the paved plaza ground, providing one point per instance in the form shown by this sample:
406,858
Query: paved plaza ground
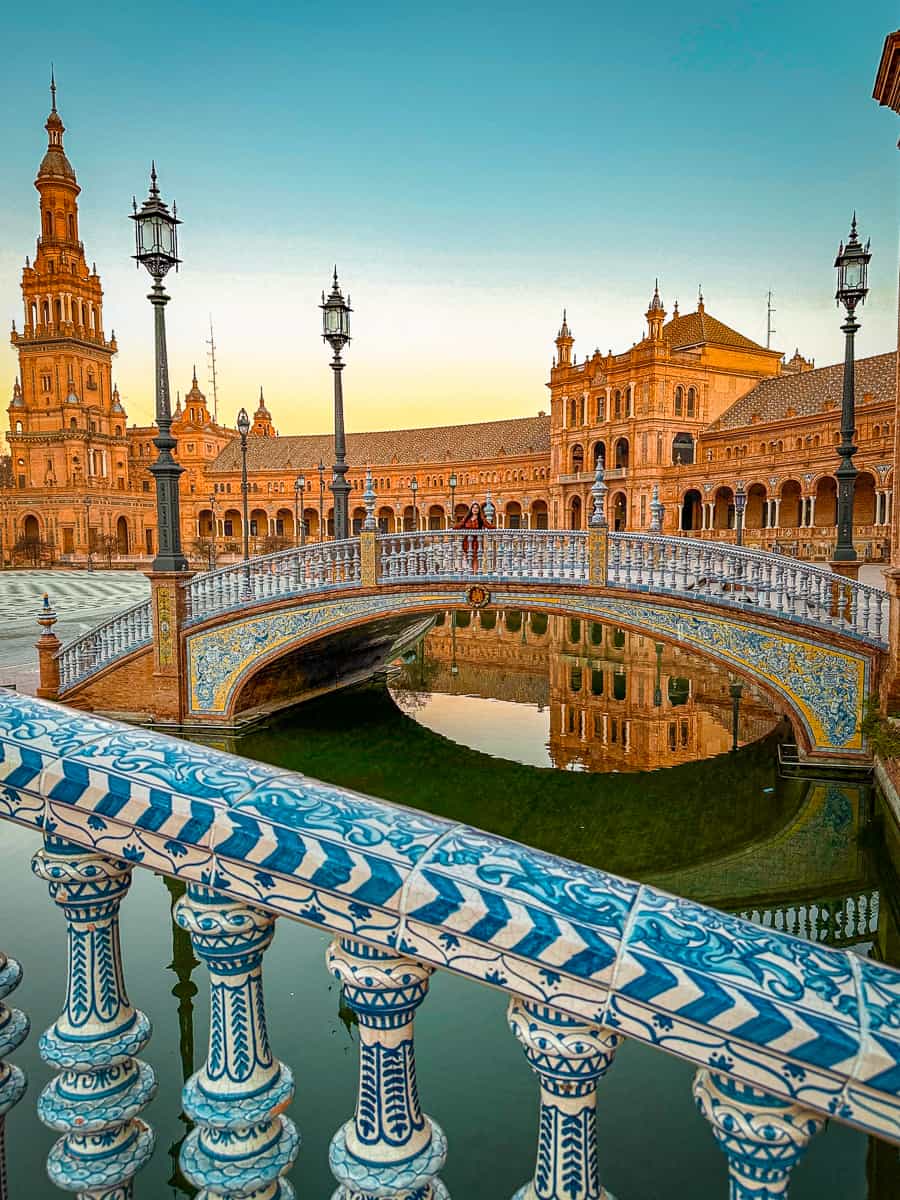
83,599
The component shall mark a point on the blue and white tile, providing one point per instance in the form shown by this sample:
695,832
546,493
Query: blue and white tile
48,729
153,850
21,806
756,986
556,915
300,901
766,1069
153,783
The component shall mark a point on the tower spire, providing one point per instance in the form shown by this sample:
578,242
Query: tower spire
52,89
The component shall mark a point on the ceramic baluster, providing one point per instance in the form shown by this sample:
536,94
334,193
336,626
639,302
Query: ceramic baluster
14,1026
241,1144
101,1087
762,1137
390,1148
569,1057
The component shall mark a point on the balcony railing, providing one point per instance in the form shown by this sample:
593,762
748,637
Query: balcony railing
785,1034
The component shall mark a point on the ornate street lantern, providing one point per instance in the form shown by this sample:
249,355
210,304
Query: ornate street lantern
336,331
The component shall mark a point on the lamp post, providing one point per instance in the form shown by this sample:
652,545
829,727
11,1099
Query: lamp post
87,533
336,331
243,427
212,538
453,482
321,470
156,247
736,691
657,691
740,503
299,490
852,264
414,488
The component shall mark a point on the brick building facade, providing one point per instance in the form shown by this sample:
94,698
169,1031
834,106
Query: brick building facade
691,409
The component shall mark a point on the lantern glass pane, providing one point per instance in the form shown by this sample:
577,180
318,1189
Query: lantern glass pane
345,322
332,321
853,274
167,238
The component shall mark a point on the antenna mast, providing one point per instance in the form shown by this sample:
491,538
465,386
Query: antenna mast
211,363
770,328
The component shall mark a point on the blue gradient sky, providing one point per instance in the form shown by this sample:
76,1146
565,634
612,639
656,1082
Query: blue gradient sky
471,169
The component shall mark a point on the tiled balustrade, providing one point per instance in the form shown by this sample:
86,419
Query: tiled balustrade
785,1033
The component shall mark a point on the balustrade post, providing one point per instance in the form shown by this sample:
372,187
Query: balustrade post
569,1057
14,1026
762,1136
241,1145
390,1147
48,648
101,1087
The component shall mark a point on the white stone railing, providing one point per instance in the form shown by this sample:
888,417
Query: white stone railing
498,555
749,580
834,921
752,579
120,635
310,568
784,1033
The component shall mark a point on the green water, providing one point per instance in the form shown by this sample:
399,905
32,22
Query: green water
724,829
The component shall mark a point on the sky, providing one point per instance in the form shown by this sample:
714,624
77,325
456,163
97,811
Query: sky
471,169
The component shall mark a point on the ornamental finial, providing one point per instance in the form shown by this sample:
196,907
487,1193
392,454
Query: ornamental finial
370,524
52,89
598,491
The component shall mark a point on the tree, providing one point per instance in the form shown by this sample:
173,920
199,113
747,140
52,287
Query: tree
204,551
107,544
273,543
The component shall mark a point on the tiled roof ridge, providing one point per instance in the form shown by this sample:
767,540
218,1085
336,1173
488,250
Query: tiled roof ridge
804,386
361,433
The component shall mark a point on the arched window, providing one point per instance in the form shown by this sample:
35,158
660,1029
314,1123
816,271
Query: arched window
692,402
48,224
622,453
617,404
73,424
18,426
679,401
577,458
71,222
599,453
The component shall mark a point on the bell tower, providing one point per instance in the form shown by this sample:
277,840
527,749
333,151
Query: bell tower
65,360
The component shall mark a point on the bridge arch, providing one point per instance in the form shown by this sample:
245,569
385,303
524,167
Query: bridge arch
822,687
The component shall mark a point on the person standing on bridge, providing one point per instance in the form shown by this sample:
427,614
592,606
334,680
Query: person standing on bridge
474,519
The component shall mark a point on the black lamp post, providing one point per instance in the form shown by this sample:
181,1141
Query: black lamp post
299,490
657,691
414,488
212,535
740,503
156,246
321,470
336,331
852,265
736,691
453,482
87,517
243,427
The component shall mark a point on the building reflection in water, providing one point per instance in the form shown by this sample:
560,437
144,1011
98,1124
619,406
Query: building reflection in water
183,964
618,701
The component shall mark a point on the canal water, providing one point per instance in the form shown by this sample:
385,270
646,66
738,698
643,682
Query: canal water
579,738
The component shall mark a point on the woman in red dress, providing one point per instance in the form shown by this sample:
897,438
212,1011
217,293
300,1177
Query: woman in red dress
474,519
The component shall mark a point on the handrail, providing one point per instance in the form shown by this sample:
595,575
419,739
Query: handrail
293,572
120,635
811,1026
729,576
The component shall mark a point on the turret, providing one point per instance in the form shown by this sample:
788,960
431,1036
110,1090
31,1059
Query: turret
656,316
564,344
262,420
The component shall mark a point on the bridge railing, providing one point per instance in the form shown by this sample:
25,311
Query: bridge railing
310,568
785,1033
120,635
551,555
774,583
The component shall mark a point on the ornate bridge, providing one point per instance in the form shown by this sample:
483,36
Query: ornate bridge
191,654
785,1034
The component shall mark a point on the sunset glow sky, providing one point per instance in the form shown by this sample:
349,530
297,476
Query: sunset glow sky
471,169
